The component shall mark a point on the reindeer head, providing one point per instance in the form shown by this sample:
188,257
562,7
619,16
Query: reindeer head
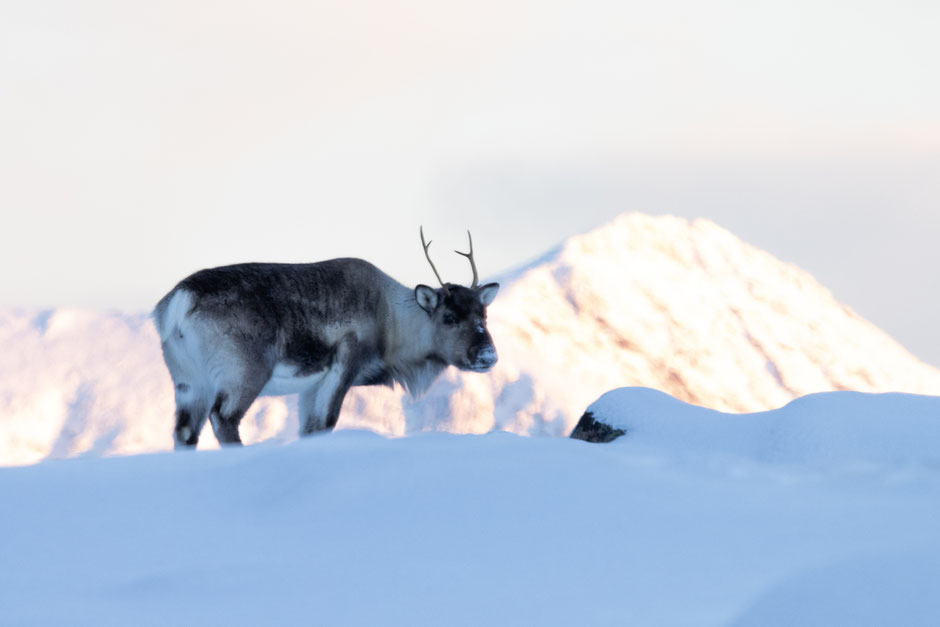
459,317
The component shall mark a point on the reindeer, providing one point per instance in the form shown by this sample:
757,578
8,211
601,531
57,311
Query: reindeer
233,333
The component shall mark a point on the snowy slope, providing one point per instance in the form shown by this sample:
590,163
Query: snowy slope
684,307
687,308
439,529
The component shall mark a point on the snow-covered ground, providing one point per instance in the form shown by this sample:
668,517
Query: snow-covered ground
684,307
823,513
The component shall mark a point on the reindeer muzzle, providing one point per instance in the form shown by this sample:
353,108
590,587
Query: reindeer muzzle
484,359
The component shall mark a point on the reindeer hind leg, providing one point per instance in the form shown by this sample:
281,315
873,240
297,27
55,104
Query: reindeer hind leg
232,402
189,391
190,418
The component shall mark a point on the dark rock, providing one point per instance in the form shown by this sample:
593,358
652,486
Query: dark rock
590,430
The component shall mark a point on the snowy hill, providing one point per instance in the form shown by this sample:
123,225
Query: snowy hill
683,307
728,521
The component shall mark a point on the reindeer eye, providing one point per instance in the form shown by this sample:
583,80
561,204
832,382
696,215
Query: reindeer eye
450,319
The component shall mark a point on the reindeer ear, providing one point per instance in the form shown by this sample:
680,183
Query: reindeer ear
427,298
486,293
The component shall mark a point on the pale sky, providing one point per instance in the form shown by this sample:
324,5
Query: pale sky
142,141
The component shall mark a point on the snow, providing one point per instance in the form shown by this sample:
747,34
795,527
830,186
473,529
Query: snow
759,520
826,428
676,305
866,591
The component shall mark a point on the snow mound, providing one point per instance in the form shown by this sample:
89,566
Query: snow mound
824,428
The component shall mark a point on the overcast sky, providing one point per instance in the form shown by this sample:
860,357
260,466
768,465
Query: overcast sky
142,141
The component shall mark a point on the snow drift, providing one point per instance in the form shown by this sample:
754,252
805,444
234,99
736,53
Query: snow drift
683,307
695,522
824,428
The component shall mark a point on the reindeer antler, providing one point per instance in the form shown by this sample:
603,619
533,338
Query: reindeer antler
426,254
469,256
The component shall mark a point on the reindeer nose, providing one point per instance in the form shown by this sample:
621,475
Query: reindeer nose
486,357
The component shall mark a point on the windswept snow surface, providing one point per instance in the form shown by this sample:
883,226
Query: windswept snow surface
679,306
836,527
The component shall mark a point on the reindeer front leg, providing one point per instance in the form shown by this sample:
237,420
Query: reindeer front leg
320,405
